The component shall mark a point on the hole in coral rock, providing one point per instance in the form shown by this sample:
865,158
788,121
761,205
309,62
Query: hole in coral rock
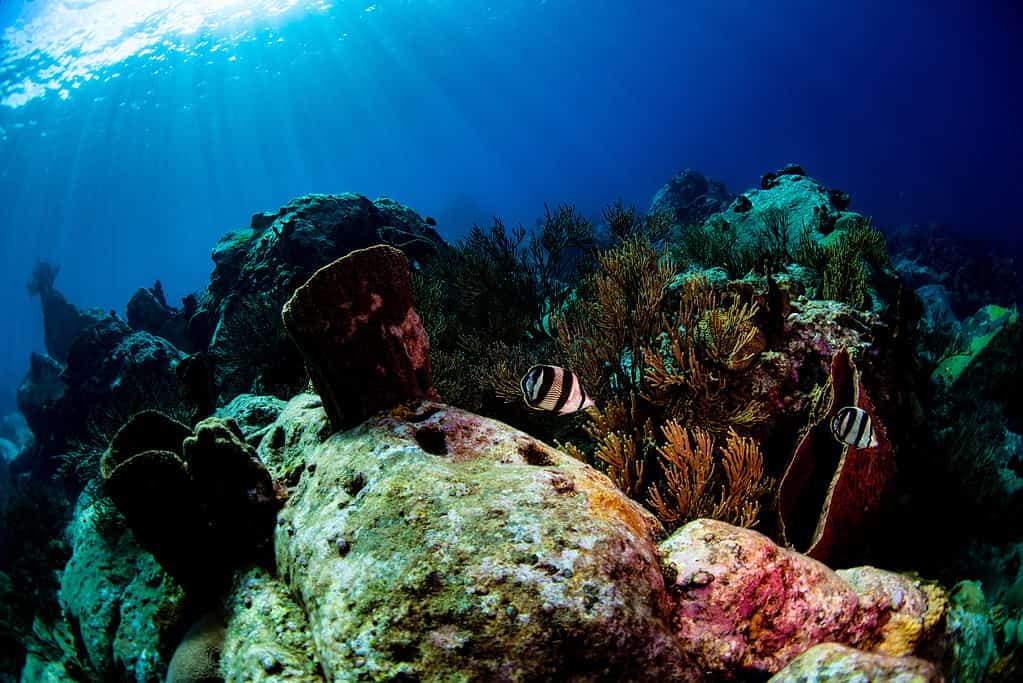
432,440
355,484
535,454
277,438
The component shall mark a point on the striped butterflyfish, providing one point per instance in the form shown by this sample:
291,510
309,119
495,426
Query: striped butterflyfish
548,387
854,427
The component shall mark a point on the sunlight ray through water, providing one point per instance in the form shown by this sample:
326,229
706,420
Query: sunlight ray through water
56,46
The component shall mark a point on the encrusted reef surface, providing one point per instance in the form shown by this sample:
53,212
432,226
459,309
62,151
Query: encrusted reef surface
434,543
230,524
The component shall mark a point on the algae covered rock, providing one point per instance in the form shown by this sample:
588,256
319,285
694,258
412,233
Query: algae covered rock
267,637
972,646
742,605
125,608
301,426
253,414
834,663
989,355
432,544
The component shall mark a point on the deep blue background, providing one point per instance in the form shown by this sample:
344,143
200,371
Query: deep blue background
461,113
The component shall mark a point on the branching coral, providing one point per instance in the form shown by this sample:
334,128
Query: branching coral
487,262
840,265
603,335
558,252
774,238
709,337
624,223
692,490
715,244
647,367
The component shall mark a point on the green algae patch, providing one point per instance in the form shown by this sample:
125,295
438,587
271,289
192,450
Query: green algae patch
990,336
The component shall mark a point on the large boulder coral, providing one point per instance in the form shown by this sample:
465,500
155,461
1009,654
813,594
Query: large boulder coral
432,543
743,606
789,198
301,426
257,269
267,637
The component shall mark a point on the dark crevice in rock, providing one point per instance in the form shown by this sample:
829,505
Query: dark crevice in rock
432,440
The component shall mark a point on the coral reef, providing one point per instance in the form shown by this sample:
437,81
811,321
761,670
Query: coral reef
429,541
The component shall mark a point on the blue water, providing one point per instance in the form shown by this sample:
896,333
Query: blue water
133,133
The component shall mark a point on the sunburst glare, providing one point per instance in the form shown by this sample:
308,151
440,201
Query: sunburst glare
56,46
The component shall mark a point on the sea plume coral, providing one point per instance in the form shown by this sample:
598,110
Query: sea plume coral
698,484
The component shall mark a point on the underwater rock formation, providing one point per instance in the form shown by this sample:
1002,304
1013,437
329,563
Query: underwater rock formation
831,490
690,197
268,637
111,373
124,607
301,426
62,321
834,662
148,311
795,199
989,357
257,269
41,389
362,340
743,605
432,543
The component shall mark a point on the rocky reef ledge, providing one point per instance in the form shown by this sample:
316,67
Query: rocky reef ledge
305,506
430,543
